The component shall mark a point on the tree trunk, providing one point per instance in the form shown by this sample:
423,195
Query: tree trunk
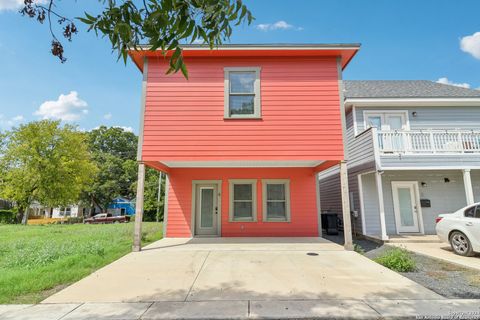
25,217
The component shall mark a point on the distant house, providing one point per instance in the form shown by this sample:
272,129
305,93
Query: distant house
73,211
4,204
121,207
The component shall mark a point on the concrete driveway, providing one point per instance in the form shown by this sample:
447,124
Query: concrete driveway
206,269
441,251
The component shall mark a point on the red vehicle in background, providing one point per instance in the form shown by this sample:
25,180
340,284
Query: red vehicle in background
106,218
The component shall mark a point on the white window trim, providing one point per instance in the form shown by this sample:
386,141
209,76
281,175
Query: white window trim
257,109
232,182
286,182
382,114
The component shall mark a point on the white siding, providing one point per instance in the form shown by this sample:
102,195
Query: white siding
370,201
432,117
444,197
475,174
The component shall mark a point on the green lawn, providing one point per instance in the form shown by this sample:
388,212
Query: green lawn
37,261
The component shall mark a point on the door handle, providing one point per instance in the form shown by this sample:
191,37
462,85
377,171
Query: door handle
216,210
469,224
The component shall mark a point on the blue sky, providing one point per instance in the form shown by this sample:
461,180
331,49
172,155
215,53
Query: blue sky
401,39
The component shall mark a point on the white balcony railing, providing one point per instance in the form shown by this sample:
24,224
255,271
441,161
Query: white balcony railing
429,141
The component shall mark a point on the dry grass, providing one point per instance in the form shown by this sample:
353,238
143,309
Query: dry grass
43,221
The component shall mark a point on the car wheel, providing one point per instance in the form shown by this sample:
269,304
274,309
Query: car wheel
460,244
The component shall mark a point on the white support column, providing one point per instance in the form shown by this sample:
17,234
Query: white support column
467,181
319,209
381,205
159,195
165,204
347,224
137,238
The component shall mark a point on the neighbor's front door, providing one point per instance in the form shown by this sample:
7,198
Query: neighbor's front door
206,210
406,206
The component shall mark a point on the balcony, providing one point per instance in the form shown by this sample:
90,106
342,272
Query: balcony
429,142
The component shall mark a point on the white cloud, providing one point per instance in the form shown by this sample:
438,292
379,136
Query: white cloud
18,118
279,25
445,80
107,116
67,108
15,4
8,123
471,44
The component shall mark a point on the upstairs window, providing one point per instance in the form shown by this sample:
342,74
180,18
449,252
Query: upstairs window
242,92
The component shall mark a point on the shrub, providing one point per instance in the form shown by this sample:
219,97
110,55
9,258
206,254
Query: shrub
358,248
73,220
7,216
397,259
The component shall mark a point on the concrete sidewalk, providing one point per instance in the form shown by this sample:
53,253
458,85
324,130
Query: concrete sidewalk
285,309
441,251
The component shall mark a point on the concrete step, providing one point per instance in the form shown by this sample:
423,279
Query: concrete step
413,239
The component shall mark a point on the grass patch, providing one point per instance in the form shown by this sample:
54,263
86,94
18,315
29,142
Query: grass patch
397,259
37,261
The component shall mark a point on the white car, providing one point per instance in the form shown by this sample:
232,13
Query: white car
461,229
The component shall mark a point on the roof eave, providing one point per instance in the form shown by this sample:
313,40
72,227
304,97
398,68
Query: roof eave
412,101
346,51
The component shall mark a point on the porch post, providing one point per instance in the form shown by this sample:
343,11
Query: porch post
347,224
467,181
381,205
319,209
137,238
165,204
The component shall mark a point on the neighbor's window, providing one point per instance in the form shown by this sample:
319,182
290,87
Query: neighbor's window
243,200
276,200
242,93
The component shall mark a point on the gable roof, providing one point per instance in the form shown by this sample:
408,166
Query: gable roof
423,89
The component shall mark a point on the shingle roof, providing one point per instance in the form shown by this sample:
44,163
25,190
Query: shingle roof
405,89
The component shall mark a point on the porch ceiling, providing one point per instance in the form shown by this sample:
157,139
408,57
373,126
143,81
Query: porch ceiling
243,164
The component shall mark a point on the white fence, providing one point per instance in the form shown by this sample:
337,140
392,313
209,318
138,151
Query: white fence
429,141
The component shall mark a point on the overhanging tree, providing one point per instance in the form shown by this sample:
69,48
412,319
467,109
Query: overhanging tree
44,162
160,24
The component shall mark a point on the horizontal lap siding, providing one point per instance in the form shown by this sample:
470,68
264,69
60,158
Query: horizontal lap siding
184,119
432,117
302,204
444,197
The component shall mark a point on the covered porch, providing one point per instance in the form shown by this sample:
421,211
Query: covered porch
400,205
201,199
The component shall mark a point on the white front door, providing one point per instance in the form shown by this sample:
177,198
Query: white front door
206,210
406,206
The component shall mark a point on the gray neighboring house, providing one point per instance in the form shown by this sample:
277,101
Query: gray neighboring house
413,153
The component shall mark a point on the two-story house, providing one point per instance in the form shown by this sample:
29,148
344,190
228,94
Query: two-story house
243,138
413,153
